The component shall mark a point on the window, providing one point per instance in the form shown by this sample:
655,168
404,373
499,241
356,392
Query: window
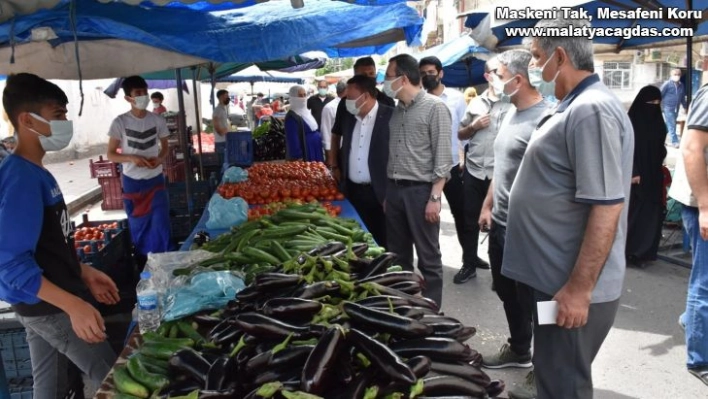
618,75
663,71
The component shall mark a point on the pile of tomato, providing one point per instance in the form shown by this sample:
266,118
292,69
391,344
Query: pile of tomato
84,236
271,182
258,211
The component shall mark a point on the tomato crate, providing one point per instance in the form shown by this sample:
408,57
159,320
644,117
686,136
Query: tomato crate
103,168
112,189
239,148
201,192
175,172
15,354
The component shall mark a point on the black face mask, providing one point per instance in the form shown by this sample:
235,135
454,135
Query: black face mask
430,82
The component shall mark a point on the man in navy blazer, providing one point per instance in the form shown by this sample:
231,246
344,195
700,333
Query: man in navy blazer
363,157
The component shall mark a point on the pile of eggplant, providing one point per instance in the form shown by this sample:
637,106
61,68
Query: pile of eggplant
325,326
270,146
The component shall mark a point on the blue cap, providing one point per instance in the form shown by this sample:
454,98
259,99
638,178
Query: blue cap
145,275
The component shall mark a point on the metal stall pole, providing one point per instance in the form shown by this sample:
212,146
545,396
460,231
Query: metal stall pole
182,126
195,73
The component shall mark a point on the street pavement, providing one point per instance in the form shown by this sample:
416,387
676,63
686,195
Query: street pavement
643,356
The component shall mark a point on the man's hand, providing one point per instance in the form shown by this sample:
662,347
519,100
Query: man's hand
573,306
485,219
154,162
703,223
336,174
101,286
636,179
432,211
140,161
87,322
481,122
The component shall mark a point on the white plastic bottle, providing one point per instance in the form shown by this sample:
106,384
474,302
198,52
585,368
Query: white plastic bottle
148,304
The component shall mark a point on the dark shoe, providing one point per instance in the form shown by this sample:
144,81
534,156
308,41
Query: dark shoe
701,373
527,390
482,264
506,357
464,275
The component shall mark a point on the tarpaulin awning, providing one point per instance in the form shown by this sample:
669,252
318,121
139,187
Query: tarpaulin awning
262,32
462,66
153,84
253,75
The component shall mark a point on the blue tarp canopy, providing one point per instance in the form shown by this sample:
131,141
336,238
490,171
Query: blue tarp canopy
700,27
460,66
262,32
154,84
254,75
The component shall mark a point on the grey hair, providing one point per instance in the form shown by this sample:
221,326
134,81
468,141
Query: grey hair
341,86
491,64
578,48
295,90
516,61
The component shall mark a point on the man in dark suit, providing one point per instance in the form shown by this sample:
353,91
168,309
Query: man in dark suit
363,66
364,154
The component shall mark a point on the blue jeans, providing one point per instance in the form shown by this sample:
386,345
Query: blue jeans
696,316
670,115
48,336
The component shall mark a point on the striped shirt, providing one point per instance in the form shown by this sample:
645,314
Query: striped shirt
420,142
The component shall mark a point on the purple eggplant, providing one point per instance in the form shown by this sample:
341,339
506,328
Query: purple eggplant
381,357
376,320
447,385
265,327
295,309
322,362
462,370
437,349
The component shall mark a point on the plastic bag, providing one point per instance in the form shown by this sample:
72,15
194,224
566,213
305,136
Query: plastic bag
224,214
202,290
235,174
161,266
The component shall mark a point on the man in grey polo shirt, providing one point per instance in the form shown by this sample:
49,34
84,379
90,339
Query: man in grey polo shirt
419,164
480,126
568,214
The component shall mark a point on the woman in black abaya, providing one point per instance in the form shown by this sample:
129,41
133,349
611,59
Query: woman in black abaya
646,208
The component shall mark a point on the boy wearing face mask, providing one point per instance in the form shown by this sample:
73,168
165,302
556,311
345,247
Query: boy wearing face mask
479,126
40,275
142,137
157,99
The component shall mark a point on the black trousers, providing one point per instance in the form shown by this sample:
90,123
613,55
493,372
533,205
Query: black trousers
364,200
519,319
475,190
455,195
562,357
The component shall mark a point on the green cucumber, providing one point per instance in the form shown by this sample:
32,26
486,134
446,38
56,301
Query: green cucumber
261,255
279,251
126,384
140,374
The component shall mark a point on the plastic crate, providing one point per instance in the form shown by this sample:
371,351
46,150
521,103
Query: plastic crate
112,189
201,192
21,389
103,168
208,159
15,355
174,156
239,148
182,226
175,172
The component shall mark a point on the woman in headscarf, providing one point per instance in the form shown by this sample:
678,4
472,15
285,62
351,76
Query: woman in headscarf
303,140
646,206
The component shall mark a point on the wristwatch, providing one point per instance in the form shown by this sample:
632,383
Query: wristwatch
434,198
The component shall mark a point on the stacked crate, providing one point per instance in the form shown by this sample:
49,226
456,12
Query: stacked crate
108,175
173,167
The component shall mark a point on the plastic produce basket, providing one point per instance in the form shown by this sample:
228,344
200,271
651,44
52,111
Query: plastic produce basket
175,172
201,193
15,355
182,226
21,388
112,189
102,168
239,148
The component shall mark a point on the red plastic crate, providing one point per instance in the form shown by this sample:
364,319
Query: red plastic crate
112,189
103,169
174,156
175,173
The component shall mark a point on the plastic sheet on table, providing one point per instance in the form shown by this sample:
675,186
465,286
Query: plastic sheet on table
161,266
226,213
235,174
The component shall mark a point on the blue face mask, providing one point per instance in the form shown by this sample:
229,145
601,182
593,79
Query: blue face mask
537,81
61,134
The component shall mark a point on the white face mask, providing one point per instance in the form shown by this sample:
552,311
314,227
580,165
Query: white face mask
388,89
61,134
351,106
675,78
322,92
537,81
156,105
499,87
298,102
141,102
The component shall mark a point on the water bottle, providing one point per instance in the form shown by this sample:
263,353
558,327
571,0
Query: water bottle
148,305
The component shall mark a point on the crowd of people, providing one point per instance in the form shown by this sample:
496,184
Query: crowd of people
569,193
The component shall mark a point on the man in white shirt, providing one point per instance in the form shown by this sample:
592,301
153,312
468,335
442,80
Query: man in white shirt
364,154
431,72
328,114
142,138
220,119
